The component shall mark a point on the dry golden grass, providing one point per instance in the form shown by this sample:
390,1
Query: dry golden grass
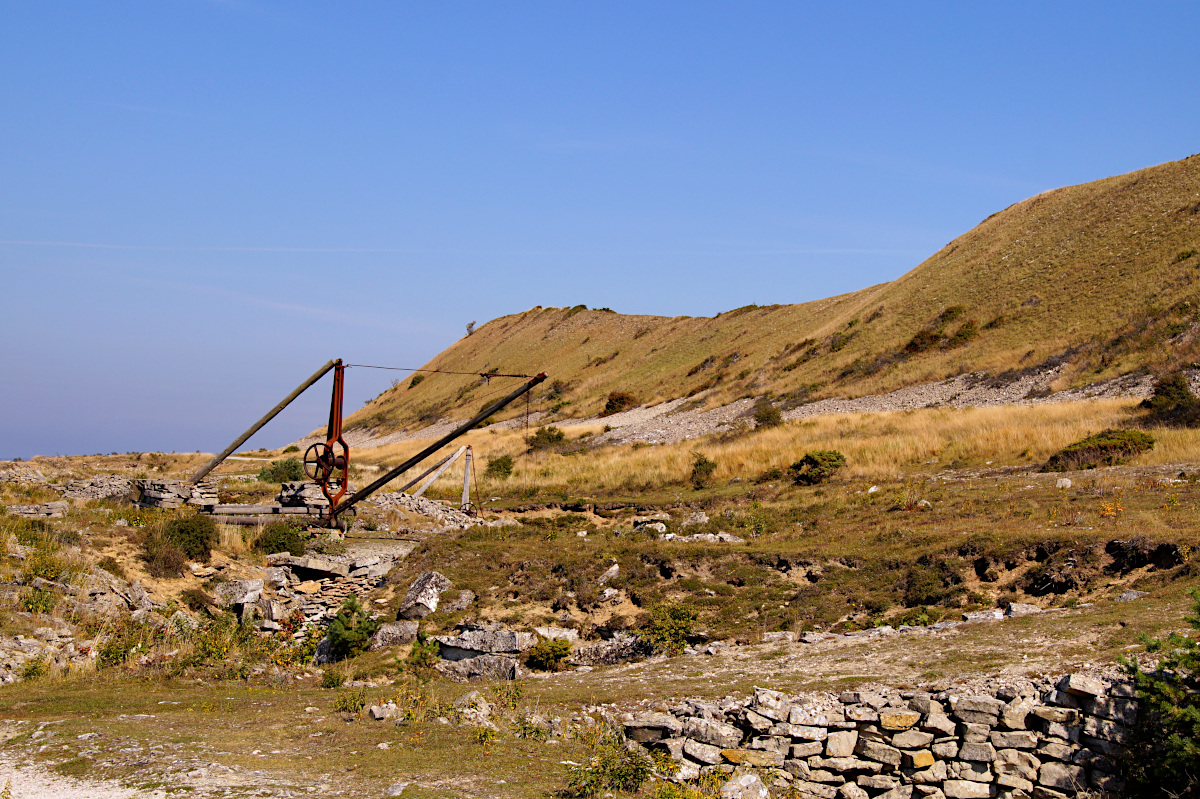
1096,269
877,445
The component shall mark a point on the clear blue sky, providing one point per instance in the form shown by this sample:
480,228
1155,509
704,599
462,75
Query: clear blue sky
200,202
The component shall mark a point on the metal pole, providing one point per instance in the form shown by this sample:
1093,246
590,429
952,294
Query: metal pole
434,447
466,497
215,462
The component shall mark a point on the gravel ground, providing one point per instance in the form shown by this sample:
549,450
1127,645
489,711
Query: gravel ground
32,781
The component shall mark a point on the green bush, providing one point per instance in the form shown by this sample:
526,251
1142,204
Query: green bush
38,600
351,630
163,557
194,534
549,654
416,381
280,537
1173,403
612,767
702,471
332,678
424,653
1109,448
816,467
291,448
500,468
282,471
35,668
351,701
618,401
545,438
110,565
766,414
669,627
1165,746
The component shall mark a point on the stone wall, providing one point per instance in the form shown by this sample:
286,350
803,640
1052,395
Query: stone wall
1029,739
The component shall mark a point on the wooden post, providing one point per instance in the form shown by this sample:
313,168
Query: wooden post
254,428
466,497
445,465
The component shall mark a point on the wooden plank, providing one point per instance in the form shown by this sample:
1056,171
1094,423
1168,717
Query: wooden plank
438,473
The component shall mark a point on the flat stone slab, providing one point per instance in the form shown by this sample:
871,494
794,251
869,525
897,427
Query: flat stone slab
301,564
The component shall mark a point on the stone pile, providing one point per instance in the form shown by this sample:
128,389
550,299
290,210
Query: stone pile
710,538
315,586
1044,739
301,493
45,510
52,645
172,494
447,518
99,487
22,475
483,651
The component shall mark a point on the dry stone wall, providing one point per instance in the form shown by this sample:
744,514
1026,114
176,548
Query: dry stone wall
1044,739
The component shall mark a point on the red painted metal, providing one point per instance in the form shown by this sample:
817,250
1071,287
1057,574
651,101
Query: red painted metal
328,463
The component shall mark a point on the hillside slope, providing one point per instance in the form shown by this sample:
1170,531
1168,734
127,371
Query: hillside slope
1098,276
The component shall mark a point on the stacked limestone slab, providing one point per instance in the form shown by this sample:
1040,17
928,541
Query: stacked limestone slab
1043,740
172,494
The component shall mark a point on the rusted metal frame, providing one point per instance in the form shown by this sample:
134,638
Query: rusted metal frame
499,405
225,453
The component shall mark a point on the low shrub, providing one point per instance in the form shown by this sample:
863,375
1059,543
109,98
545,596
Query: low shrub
1172,403
280,537
702,471
1165,745
1109,448
291,448
500,468
38,600
35,668
549,654
545,438
618,401
282,471
816,467
195,535
163,557
351,629
351,701
424,652
110,565
611,767
766,414
332,678
669,627
416,381
196,600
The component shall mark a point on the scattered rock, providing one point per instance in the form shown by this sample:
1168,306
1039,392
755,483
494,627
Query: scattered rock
423,594
394,633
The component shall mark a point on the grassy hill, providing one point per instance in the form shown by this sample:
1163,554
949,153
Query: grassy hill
1099,277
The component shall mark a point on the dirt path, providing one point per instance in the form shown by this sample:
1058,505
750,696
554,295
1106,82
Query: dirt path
26,780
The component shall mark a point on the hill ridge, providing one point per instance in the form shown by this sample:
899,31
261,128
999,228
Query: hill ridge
1097,279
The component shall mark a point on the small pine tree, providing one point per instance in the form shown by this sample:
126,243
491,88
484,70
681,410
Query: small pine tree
702,471
351,630
1164,755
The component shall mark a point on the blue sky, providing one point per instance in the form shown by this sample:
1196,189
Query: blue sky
200,202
